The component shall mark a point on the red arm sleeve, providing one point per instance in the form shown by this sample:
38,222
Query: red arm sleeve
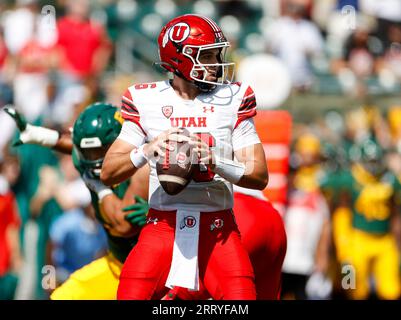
129,111
247,108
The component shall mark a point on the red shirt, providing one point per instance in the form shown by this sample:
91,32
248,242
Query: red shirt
34,58
79,41
8,218
3,53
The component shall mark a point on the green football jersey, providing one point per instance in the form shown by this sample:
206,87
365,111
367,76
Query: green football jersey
120,247
371,199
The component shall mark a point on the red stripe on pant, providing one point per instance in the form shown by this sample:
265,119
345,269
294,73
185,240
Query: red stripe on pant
221,257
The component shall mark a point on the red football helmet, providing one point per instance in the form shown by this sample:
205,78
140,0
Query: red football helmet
181,42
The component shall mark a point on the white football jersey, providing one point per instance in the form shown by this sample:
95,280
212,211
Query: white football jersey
155,107
304,219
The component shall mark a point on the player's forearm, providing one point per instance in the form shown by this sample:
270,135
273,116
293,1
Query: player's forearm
249,174
254,177
255,174
111,208
64,144
116,168
139,186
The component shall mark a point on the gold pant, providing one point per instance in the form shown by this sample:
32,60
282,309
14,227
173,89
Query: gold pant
95,281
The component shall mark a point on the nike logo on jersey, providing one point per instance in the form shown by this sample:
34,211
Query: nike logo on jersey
187,122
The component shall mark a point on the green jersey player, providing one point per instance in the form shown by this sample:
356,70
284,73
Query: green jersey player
93,132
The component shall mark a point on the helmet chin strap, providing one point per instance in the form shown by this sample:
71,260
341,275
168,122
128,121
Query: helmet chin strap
204,87
207,87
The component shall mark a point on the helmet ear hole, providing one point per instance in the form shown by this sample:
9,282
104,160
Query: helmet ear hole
188,50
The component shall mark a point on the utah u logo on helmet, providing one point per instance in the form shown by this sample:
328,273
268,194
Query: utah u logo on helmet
181,43
179,32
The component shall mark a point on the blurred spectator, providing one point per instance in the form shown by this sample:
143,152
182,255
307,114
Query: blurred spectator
358,55
393,160
84,50
20,24
6,96
390,64
10,252
358,60
71,192
68,102
44,210
31,82
271,8
307,223
5,90
385,9
77,239
394,120
84,43
386,12
237,8
65,187
295,40
3,52
27,38
339,23
38,209
394,155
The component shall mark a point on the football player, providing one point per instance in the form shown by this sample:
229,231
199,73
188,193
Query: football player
307,222
371,194
93,132
260,224
191,236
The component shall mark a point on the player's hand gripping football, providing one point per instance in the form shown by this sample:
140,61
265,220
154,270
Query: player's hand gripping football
139,212
157,146
29,133
204,152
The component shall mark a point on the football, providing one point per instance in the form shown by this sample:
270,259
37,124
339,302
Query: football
175,169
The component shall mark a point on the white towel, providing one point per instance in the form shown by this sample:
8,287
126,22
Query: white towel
184,271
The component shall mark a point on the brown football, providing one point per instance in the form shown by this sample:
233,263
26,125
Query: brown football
175,169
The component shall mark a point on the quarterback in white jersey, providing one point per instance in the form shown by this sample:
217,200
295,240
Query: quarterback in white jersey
192,236
151,109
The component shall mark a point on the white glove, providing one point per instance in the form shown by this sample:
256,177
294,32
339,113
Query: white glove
39,135
96,186
32,134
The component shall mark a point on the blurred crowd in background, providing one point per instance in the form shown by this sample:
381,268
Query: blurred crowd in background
56,57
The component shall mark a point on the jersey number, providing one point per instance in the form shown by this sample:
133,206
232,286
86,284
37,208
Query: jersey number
206,174
145,86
